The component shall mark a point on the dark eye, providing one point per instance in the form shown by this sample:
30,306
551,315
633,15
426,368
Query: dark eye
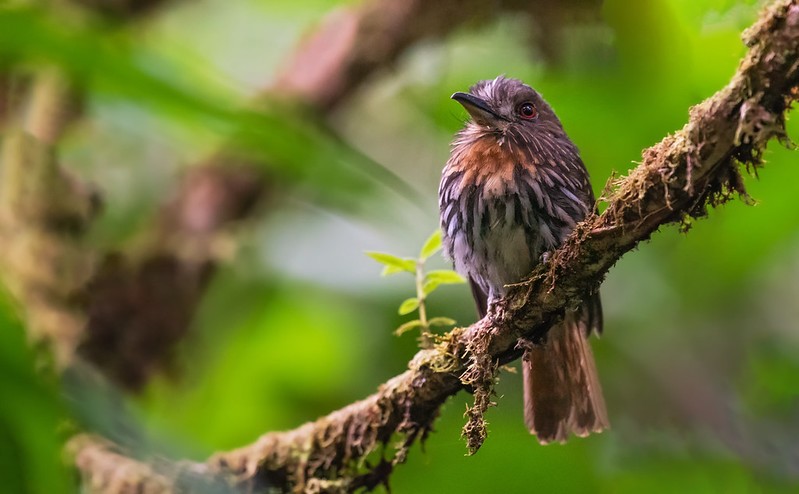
527,111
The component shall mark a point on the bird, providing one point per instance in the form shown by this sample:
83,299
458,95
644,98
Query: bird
512,191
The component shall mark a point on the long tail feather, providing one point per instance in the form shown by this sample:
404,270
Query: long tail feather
562,393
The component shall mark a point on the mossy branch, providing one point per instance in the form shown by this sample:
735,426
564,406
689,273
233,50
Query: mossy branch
698,166
45,263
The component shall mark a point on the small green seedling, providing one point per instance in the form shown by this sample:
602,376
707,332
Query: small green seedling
426,283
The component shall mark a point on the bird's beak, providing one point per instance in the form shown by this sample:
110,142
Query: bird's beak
478,108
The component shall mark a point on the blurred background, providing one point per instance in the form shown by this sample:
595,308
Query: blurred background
286,319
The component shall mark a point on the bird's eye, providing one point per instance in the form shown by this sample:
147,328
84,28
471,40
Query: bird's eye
527,111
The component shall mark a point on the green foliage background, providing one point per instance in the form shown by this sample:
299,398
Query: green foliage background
700,356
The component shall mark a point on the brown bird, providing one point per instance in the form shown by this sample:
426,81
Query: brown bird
513,189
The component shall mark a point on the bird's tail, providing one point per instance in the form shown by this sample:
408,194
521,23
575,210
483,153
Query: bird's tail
562,394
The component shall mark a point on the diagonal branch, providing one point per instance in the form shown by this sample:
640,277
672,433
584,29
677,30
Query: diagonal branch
352,43
697,167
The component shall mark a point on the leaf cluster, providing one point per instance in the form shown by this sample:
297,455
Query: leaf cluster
426,283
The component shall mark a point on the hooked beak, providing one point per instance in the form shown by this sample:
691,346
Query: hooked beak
478,108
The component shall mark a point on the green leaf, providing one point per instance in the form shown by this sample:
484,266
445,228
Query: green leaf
444,277
408,305
441,321
396,264
440,277
31,448
389,270
429,287
431,245
407,327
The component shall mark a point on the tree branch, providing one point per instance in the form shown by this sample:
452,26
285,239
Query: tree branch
697,167
44,212
351,44
52,106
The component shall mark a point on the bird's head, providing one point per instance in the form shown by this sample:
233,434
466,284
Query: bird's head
503,103
512,125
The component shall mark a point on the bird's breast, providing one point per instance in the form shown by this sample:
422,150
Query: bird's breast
488,162
488,217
